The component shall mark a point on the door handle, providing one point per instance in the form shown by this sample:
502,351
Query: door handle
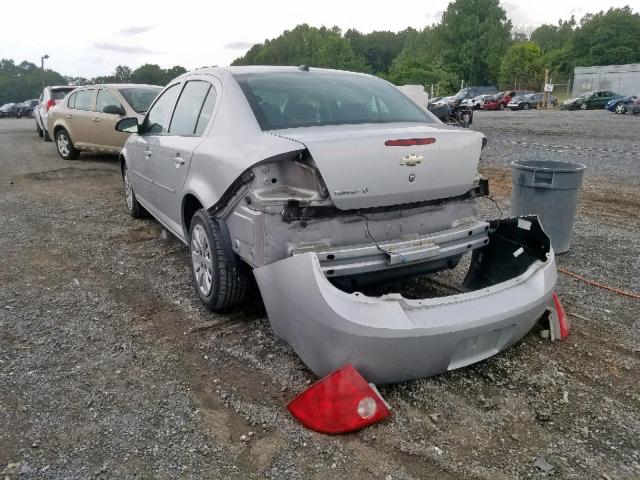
147,153
178,161
68,115
96,119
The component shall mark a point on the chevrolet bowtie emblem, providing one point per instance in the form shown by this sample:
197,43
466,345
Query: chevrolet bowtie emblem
411,160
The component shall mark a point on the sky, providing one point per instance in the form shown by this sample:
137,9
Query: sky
85,38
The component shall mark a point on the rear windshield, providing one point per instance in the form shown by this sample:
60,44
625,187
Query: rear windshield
304,99
140,97
60,93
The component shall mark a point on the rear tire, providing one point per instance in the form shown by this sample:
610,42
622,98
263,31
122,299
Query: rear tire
584,106
501,106
65,145
219,275
135,209
526,106
46,136
39,130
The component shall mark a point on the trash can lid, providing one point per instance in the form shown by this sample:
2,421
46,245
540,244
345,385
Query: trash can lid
549,166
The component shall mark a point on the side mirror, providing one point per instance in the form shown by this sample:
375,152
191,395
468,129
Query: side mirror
127,125
114,109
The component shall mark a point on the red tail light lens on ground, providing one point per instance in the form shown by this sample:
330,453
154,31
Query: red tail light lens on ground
341,402
50,103
408,142
562,317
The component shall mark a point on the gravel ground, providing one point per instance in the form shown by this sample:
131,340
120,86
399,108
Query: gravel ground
110,368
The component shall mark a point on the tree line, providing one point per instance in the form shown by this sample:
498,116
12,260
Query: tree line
25,80
474,43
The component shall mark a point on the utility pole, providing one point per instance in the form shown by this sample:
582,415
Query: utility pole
546,93
42,59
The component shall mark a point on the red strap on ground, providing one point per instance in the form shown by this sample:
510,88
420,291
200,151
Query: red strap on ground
619,291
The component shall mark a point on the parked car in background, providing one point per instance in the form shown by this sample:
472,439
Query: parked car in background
321,181
531,100
476,102
471,92
621,105
502,99
9,110
590,100
26,108
49,98
86,118
634,107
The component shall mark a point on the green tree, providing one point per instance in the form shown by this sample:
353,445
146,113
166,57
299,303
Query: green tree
122,74
24,81
149,73
607,38
554,37
475,34
522,66
305,45
378,48
173,72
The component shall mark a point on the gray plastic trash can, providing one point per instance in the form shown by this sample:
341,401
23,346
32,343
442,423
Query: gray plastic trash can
550,189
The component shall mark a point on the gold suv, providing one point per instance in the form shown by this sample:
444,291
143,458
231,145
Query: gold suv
85,120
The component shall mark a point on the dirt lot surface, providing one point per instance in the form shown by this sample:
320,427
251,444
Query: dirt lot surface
110,368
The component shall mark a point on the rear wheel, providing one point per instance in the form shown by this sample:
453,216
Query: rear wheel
584,106
65,145
526,106
621,108
46,136
135,209
218,274
501,106
39,130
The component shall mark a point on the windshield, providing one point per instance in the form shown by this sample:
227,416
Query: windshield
140,97
60,93
304,99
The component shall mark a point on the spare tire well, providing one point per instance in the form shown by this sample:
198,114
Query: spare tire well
190,205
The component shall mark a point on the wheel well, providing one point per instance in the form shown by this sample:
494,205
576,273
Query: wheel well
57,128
190,205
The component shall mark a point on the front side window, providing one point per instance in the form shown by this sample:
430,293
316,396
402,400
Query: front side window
106,99
158,117
305,99
187,111
84,99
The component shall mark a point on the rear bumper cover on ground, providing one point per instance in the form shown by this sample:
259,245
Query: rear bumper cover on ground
391,339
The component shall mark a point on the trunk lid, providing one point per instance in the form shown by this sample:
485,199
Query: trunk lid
360,171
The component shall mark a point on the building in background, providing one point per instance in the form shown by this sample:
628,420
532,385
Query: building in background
622,79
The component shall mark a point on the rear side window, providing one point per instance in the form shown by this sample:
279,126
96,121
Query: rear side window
304,99
104,99
188,108
207,111
158,116
84,100
71,103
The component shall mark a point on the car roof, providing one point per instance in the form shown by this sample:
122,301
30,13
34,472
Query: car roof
118,85
243,69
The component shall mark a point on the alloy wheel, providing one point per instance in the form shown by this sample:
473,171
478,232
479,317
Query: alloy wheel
63,144
201,259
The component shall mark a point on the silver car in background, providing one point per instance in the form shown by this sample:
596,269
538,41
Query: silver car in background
323,182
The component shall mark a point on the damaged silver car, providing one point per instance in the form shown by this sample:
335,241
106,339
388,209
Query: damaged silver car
322,182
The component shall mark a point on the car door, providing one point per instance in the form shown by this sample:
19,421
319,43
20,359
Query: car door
189,120
140,151
78,116
104,135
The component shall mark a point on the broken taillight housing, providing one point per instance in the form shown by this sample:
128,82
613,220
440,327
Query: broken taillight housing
563,322
50,104
341,402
